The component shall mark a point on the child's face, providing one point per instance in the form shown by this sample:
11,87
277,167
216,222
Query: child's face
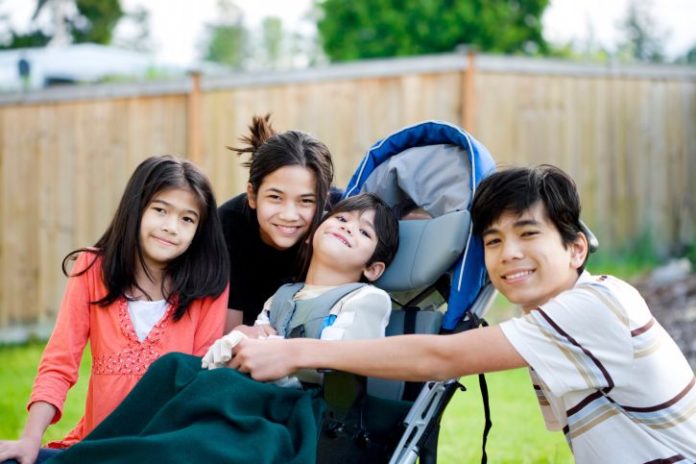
168,226
348,238
526,259
285,205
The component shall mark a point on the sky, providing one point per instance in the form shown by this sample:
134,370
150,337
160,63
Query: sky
177,27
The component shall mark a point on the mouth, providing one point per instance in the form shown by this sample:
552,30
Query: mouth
341,239
164,242
516,276
287,230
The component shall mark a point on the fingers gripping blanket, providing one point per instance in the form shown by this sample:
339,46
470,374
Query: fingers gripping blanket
181,413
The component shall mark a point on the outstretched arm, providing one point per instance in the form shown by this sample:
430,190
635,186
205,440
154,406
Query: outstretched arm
407,357
26,448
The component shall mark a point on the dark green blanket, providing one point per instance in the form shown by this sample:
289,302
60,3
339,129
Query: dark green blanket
181,413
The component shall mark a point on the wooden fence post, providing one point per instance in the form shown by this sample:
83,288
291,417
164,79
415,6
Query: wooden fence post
193,119
469,93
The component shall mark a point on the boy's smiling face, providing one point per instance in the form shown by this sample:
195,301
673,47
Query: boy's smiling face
526,259
348,238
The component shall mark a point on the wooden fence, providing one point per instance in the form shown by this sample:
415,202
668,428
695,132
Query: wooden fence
627,134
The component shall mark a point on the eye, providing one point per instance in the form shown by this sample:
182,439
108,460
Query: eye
366,233
273,197
530,233
158,209
189,219
491,242
340,218
308,201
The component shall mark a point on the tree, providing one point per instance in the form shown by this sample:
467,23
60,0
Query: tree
95,21
137,21
77,20
272,38
690,56
228,38
643,39
381,28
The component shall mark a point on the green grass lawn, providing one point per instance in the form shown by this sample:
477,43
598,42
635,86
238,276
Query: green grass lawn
18,366
518,434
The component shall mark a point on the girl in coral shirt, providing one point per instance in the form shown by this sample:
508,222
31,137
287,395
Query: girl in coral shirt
154,283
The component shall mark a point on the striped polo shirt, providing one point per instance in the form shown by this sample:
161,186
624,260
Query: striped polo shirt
607,374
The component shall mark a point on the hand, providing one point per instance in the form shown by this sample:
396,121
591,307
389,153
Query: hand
23,450
256,331
265,360
266,330
220,352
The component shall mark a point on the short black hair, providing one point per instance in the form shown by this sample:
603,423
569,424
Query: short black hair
386,224
516,189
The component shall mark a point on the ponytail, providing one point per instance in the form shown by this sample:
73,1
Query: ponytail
260,131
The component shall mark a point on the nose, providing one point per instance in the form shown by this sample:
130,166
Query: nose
348,227
289,212
511,250
170,224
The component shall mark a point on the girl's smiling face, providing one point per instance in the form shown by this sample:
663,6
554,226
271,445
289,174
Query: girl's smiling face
168,225
285,204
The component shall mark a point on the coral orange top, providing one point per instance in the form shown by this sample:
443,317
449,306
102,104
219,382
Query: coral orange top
119,359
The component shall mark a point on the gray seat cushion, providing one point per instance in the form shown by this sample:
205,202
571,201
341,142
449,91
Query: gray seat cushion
427,249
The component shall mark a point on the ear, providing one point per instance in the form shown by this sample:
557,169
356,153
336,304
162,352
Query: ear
578,250
251,196
374,271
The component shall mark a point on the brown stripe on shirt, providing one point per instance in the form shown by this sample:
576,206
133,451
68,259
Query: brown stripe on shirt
588,399
645,328
669,460
605,373
667,403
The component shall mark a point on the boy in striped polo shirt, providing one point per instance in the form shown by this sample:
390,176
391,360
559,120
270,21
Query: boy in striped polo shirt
605,371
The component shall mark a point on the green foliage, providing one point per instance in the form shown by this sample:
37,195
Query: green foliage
627,262
140,40
644,42
35,38
688,58
226,45
272,35
228,38
96,21
690,253
382,28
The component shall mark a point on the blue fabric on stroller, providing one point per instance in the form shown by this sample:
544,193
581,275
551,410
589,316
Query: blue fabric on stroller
469,273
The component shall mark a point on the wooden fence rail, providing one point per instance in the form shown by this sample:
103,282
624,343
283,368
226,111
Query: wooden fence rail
627,134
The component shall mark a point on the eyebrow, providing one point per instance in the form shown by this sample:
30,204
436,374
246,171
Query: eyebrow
188,211
520,223
277,190
370,224
366,221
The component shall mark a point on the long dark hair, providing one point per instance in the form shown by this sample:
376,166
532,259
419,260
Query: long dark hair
271,151
201,271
